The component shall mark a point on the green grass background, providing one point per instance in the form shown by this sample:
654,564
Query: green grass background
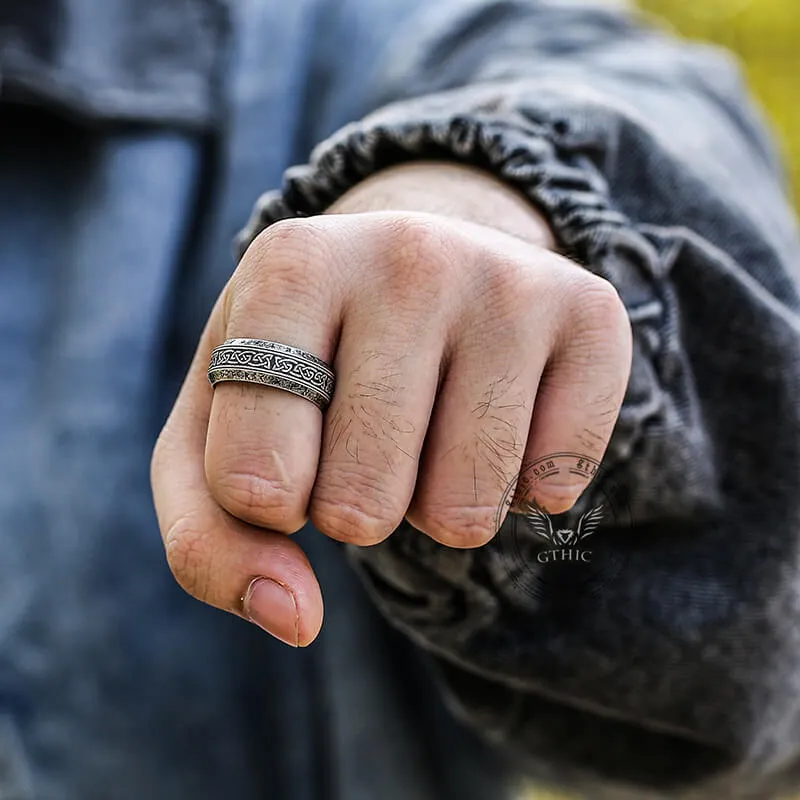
765,34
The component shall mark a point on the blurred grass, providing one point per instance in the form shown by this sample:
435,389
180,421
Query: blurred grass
765,34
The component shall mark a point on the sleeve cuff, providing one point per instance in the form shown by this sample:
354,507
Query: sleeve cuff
549,154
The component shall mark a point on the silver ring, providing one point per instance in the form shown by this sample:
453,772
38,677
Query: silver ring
273,364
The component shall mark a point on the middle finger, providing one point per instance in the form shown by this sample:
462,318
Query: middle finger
388,367
263,443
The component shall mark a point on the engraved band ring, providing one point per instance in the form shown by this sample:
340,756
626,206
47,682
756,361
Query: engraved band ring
273,364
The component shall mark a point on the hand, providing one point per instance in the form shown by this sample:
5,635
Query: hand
461,352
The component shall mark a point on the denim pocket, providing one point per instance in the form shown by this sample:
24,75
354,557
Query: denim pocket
15,775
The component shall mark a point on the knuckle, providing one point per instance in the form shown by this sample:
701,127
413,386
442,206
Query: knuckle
289,260
259,500
419,235
287,237
186,545
596,304
362,514
460,526
596,328
506,287
420,257
350,523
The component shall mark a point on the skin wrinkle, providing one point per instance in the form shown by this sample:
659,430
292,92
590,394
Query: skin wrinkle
276,457
185,550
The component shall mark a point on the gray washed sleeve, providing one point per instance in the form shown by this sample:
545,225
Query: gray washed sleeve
675,670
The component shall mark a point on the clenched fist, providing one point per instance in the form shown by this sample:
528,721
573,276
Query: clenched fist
464,349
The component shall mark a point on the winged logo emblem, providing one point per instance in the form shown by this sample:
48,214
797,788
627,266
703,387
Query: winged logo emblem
542,526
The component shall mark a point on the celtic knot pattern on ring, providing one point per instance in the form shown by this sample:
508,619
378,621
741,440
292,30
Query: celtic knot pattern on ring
273,364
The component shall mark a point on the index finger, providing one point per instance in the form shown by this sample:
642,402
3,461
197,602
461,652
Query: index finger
260,575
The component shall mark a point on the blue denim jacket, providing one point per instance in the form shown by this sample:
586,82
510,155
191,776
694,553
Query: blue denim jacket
135,138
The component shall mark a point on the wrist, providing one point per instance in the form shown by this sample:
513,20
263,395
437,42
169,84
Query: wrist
452,190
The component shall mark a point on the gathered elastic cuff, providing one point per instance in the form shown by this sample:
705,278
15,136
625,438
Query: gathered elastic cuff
549,157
